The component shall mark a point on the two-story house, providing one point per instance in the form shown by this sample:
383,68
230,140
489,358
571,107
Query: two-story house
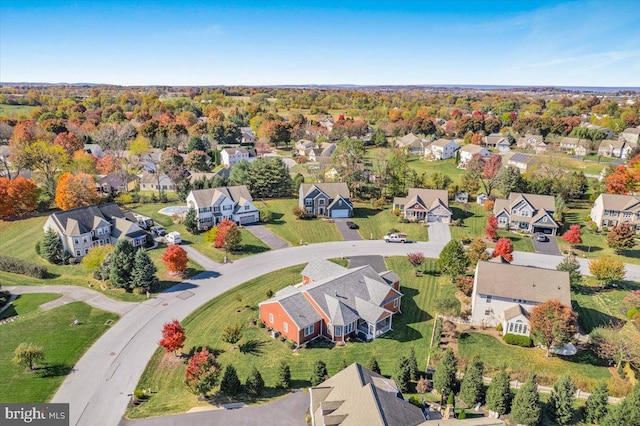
613,209
321,152
614,148
429,205
631,136
304,147
468,151
442,149
534,142
520,161
527,212
412,143
334,302
247,136
505,294
213,205
83,228
575,146
231,156
149,182
496,141
326,199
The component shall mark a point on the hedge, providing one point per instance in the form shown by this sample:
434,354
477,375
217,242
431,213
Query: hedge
17,266
518,340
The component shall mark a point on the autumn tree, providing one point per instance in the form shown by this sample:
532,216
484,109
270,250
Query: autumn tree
477,251
175,259
26,355
173,336
75,191
453,260
17,197
504,248
484,170
553,323
621,237
47,160
107,164
416,259
202,372
69,142
197,161
228,235
275,132
96,256
232,334
607,269
491,230
614,345
570,264
572,236
83,162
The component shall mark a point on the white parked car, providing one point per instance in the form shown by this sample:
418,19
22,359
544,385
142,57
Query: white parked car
395,238
173,238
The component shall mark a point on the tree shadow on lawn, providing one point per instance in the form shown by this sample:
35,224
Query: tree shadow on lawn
411,314
459,213
193,349
586,357
10,311
252,347
53,370
365,212
589,318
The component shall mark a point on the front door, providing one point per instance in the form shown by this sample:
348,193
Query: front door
321,211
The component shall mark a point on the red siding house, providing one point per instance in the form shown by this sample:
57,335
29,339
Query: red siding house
334,302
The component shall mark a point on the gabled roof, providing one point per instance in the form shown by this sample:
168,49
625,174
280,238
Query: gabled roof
82,220
574,142
614,143
441,143
115,180
520,157
522,282
125,228
408,140
318,269
214,196
232,151
300,310
428,198
494,139
357,396
630,203
330,189
538,202
515,311
473,149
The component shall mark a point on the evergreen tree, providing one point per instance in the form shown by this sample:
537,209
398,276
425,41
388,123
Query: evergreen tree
373,365
51,247
284,376
402,375
143,273
230,384
562,399
444,378
627,412
320,373
190,221
298,180
255,383
121,263
526,408
499,394
471,388
453,261
413,364
596,405
570,264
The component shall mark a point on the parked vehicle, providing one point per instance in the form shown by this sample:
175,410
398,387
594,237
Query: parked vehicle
173,238
144,222
351,225
158,231
542,238
395,238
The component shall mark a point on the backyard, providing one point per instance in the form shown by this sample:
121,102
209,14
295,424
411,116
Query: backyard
62,342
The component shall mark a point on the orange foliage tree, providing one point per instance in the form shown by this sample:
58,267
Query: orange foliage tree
504,248
175,259
625,179
107,164
69,142
75,191
553,323
572,236
17,197
173,336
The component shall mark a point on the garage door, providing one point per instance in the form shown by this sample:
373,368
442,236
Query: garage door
339,213
248,219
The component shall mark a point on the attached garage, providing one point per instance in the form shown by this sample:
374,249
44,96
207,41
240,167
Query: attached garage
247,219
341,213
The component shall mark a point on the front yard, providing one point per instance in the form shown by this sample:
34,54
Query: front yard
374,224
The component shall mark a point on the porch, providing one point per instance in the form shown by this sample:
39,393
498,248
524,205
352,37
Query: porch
373,330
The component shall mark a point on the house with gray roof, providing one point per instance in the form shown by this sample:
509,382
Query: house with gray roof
527,212
575,146
358,396
334,302
213,205
613,209
326,199
441,149
83,228
614,148
505,294
468,151
631,136
116,183
520,161
412,143
534,142
497,141
429,205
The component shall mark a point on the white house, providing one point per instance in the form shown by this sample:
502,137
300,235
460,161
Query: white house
631,136
149,182
468,151
323,151
613,209
429,205
497,141
614,148
442,149
231,156
505,294
229,202
575,146
412,143
527,212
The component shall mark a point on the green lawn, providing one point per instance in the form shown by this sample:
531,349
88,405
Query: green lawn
24,304
376,223
15,111
585,369
18,239
474,220
420,165
599,308
292,230
63,345
165,373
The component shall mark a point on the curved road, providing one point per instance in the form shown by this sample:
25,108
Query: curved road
110,370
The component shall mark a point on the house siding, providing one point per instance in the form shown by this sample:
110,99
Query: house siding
280,316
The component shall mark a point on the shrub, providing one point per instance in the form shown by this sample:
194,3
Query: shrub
266,215
462,415
518,340
269,294
38,250
632,312
17,266
499,327
464,284
379,203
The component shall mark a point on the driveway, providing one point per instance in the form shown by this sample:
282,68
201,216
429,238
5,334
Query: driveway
376,262
347,233
439,233
200,259
547,247
288,411
269,238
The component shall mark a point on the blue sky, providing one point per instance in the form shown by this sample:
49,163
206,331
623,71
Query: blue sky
582,43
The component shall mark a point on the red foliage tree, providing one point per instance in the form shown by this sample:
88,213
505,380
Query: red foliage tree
175,259
572,236
75,191
17,197
228,235
625,179
202,372
491,231
69,142
553,323
172,336
504,248
107,164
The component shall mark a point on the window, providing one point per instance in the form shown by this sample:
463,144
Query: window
285,327
605,222
321,202
614,222
502,220
76,240
216,209
395,303
625,214
349,328
340,203
271,318
227,207
246,207
77,253
544,219
84,240
308,330
308,202
86,251
489,297
338,330
487,311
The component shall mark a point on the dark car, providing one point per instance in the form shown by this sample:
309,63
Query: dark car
542,238
158,231
351,225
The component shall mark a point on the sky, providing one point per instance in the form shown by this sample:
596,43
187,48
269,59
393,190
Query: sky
518,42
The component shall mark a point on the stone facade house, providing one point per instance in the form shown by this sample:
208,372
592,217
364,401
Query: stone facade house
213,205
527,212
612,209
429,205
326,199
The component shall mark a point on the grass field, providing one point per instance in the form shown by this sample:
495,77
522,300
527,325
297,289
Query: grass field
63,345
23,304
165,373
15,111
600,308
292,230
374,224
18,239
